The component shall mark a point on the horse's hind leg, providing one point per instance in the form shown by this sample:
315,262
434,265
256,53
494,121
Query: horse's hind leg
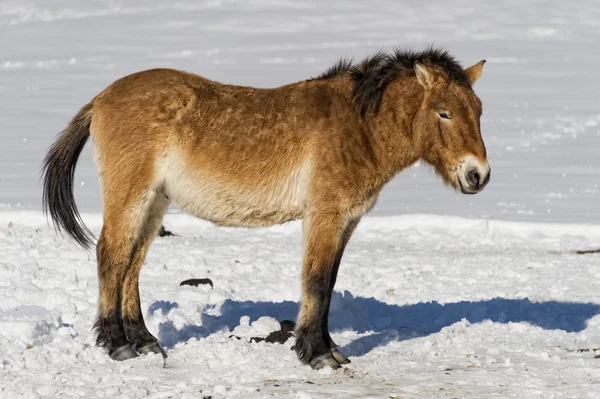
113,253
133,319
126,209
325,322
322,234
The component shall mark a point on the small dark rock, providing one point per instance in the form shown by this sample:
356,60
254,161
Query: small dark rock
287,325
278,337
235,336
164,232
197,281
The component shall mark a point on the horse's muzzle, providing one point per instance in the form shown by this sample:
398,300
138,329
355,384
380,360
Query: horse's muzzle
474,180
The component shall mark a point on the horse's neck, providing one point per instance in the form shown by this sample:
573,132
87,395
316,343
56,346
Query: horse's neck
389,129
391,126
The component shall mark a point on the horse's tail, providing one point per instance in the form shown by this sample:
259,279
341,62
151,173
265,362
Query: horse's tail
58,171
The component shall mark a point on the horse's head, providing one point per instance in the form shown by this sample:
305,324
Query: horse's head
446,128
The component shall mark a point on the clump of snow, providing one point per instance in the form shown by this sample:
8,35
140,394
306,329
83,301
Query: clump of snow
266,325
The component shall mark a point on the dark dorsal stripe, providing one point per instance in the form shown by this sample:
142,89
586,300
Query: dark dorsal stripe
371,76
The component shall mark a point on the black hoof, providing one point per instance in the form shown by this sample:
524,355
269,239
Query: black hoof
152,347
123,353
339,356
323,361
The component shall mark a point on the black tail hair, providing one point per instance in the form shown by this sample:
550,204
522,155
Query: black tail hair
58,172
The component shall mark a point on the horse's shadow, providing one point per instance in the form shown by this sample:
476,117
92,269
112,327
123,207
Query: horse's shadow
388,322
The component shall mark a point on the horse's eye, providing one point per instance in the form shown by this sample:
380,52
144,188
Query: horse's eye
444,115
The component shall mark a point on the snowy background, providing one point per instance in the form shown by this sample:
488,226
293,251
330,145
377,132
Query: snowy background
453,304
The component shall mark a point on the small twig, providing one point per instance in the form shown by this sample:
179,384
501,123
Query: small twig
577,252
587,251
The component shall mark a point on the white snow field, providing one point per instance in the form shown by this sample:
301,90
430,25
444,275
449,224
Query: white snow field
439,295
426,306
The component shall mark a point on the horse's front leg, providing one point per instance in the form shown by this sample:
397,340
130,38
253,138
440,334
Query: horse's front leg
323,233
339,356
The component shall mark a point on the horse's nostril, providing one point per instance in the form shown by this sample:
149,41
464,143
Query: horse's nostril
473,178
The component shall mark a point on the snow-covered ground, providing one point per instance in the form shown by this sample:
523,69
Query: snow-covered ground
426,306
460,306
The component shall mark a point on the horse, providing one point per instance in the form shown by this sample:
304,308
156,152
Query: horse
319,150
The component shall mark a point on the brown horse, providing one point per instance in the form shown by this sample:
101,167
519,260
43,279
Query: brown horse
319,150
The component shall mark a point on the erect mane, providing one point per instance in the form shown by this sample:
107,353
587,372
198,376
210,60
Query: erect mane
371,76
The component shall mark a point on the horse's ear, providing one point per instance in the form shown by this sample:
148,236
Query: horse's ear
474,72
424,75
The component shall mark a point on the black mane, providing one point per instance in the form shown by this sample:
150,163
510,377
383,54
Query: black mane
339,68
371,76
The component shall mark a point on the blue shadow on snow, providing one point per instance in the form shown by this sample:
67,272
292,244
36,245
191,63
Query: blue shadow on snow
388,322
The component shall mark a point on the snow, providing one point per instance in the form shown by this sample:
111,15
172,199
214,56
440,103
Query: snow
439,295
426,306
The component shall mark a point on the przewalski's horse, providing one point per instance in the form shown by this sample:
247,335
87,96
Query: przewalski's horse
319,150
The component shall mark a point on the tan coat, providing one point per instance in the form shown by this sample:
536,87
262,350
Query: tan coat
319,150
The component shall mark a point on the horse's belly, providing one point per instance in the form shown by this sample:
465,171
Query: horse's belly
238,208
228,203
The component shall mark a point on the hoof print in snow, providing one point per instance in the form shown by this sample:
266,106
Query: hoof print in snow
165,233
197,281
280,336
